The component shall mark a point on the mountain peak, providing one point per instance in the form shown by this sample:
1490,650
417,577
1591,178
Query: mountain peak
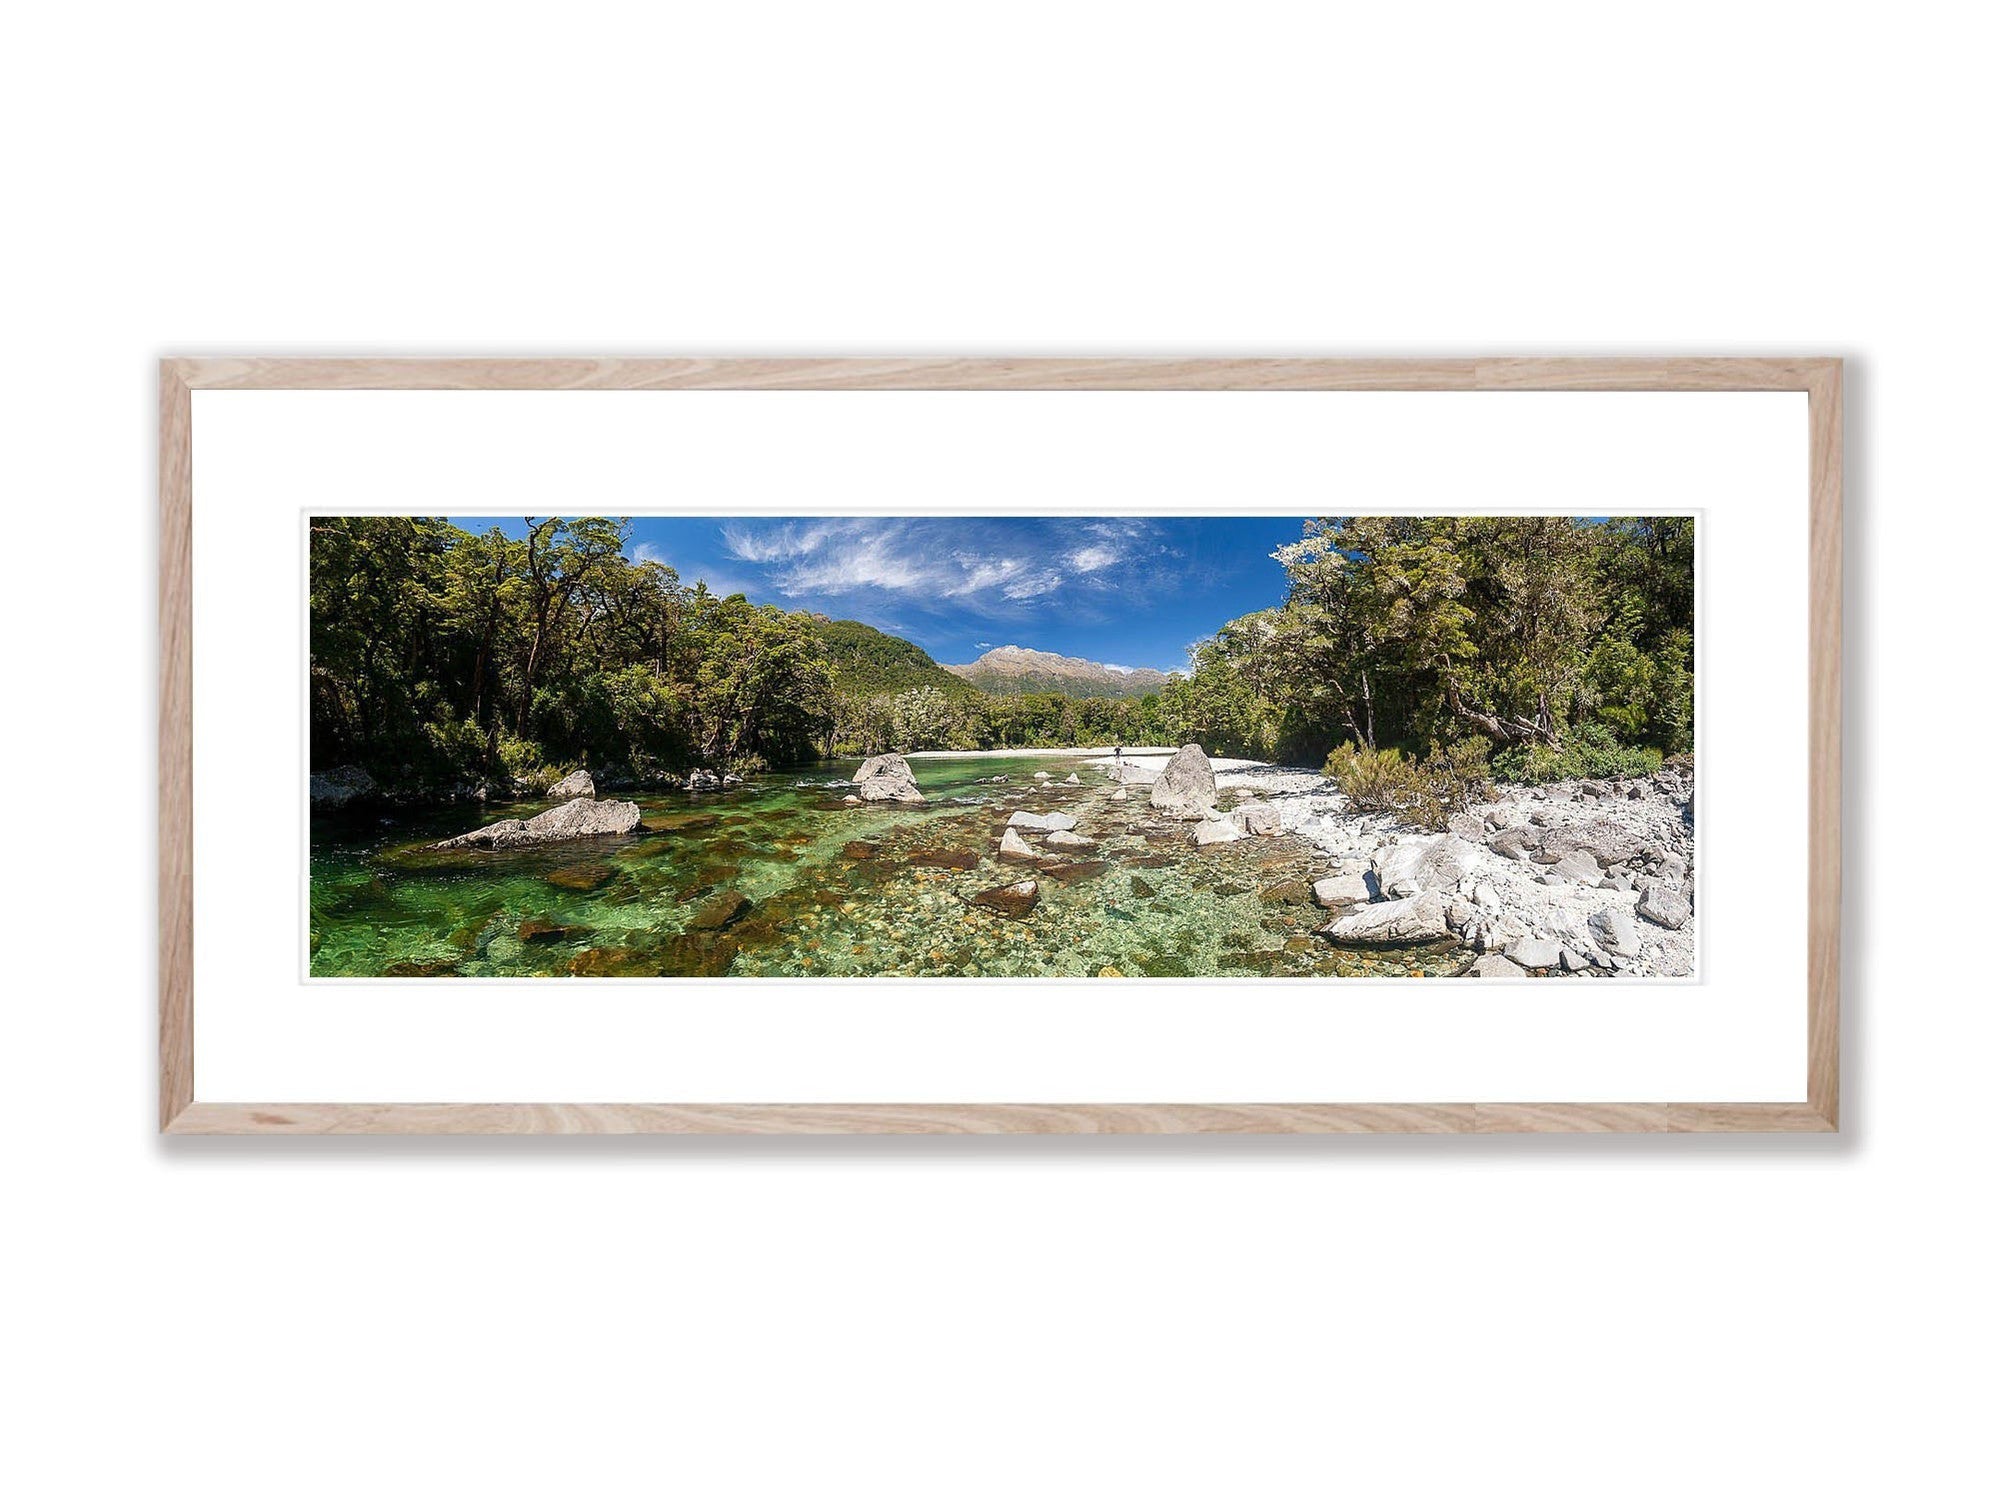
1009,669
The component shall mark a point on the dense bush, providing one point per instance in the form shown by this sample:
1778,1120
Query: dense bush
1426,793
1589,751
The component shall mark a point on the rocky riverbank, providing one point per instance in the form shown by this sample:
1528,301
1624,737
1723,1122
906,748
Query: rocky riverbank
1584,877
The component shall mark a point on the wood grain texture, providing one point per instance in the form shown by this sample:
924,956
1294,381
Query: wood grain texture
825,1119
1571,1118
176,852
1001,374
1819,378
1823,888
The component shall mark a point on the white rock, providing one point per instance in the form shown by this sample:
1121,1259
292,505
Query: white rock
1663,906
1579,865
576,783
1013,846
1186,787
1438,863
1062,838
1223,831
1341,890
1493,966
1536,952
1260,818
886,778
575,818
1419,918
1615,929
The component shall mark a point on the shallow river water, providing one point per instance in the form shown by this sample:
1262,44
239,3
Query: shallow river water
830,889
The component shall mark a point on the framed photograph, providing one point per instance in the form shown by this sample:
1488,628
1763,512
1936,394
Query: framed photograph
994,745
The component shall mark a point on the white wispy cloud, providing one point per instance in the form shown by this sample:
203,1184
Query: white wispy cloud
646,552
995,567
776,543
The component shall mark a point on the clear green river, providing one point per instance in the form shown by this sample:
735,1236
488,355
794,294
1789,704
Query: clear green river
780,878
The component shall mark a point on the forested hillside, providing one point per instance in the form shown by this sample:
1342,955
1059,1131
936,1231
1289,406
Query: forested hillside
441,657
865,662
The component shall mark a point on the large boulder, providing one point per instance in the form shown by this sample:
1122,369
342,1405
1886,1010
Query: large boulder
886,778
576,783
1417,864
1514,843
334,789
573,819
1418,918
1186,787
1042,822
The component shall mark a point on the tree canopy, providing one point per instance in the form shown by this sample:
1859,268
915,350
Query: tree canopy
440,655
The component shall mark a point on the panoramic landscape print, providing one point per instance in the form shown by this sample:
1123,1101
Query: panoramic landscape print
928,746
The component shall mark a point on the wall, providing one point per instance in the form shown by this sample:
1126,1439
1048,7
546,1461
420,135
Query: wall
989,1317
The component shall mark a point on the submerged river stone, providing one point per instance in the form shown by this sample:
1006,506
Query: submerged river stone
1068,874
1013,901
944,858
720,909
582,877
541,929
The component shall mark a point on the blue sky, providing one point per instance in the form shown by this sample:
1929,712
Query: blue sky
1126,590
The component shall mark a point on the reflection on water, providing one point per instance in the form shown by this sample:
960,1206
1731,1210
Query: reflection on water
781,878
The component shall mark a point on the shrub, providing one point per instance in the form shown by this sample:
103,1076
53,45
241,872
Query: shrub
1457,776
1448,780
456,745
522,762
1589,752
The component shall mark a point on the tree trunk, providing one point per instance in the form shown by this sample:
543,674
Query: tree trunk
1505,730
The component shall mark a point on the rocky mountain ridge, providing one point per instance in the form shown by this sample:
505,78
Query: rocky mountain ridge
1010,669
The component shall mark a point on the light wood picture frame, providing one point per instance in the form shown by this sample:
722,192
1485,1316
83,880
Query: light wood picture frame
183,1111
